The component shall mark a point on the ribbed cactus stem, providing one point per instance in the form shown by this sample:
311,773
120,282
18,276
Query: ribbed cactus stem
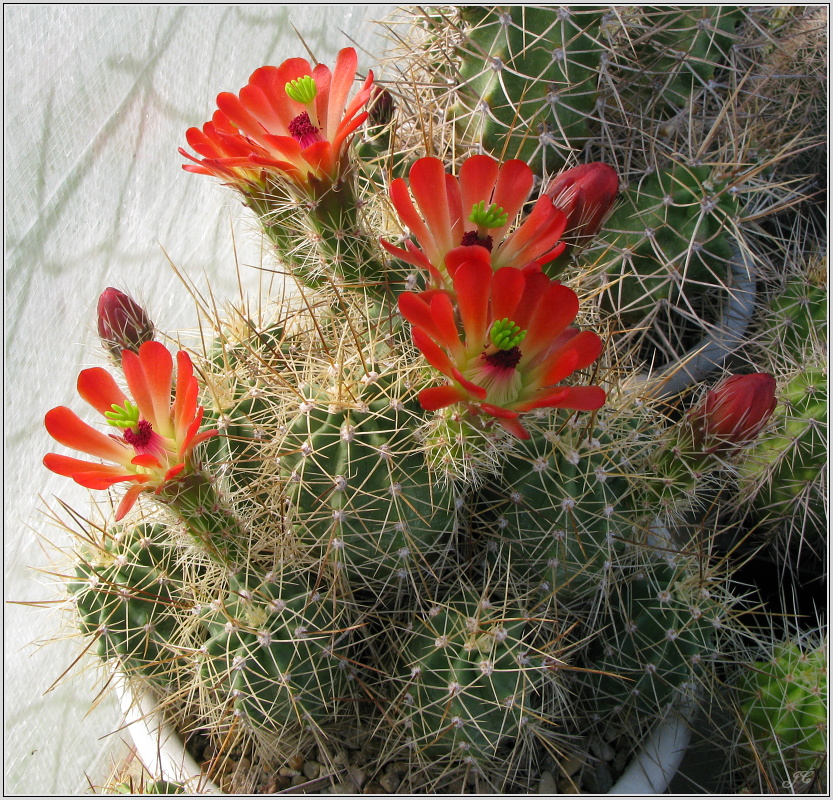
194,500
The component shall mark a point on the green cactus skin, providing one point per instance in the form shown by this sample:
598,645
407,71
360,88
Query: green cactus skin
657,626
784,470
671,237
528,81
275,650
678,51
783,705
557,513
469,677
130,595
360,491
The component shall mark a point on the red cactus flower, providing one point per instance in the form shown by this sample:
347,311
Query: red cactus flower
517,343
477,208
293,120
586,194
158,435
734,412
122,323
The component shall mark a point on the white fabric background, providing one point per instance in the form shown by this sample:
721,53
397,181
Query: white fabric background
97,100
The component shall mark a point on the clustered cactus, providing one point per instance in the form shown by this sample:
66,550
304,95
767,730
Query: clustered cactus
474,572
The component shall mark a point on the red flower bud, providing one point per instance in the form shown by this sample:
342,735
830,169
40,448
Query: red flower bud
122,323
586,194
381,106
733,412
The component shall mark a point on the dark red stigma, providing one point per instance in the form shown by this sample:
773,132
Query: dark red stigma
504,359
141,437
303,131
471,237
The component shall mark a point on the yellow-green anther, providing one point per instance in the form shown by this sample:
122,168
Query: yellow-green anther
492,217
302,90
123,417
505,334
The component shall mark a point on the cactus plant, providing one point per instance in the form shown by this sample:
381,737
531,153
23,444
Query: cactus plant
425,500
783,708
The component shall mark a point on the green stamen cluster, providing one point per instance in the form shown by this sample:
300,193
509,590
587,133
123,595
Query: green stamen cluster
302,90
126,416
505,334
492,217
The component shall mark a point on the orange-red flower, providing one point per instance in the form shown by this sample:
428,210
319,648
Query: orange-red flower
293,120
516,343
734,412
478,208
158,435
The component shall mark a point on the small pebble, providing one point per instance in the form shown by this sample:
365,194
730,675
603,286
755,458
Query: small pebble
571,764
601,749
375,788
288,772
547,784
312,769
297,780
357,775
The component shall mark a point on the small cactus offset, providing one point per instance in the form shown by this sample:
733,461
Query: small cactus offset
437,499
783,711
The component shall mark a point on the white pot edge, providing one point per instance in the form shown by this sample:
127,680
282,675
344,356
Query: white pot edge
158,746
163,754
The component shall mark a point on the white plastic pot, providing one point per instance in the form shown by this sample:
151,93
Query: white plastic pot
162,751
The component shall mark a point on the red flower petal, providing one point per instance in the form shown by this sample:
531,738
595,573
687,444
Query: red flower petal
472,283
88,474
158,367
477,182
438,397
580,398
428,184
556,309
433,353
508,286
128,500
99,389
514,183
69,430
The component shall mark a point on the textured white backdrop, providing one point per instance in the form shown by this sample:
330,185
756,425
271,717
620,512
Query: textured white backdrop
97,100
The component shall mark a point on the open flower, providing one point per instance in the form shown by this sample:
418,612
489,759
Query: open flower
734,412
157,435
478,208
517,343
294,120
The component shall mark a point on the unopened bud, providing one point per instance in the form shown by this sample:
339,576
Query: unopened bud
122,323
380,110
586,194
734,412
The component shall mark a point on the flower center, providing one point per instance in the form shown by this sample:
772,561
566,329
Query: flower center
504,359
472,237
492,217
140,436
303,131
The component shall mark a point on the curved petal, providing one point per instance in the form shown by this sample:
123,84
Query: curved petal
538,233
135,376
442,312
128,500
472,282
478,175
428,185
513,185
413,221
579,352
158,367
438,397
556,310
417,311
508,286
478,392
514,427
99,389
580,398
434,354
71,431
466,252
92,476
185,400
343,75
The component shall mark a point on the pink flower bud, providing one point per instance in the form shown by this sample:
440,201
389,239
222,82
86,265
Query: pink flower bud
586,194
122,323
733,412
